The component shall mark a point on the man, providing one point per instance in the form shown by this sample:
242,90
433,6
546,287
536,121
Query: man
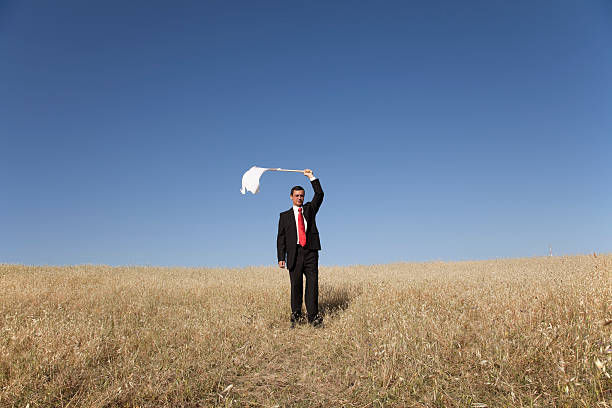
298,246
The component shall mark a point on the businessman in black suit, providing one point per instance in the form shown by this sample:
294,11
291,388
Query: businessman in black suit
298,246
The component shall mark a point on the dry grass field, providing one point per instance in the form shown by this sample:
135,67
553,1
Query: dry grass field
513,332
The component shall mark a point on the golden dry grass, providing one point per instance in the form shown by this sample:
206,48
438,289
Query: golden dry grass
515,332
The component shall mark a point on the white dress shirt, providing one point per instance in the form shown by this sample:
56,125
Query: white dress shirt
295,214
297,225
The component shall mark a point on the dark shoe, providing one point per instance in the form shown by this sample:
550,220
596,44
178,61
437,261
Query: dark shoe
297,319
317,321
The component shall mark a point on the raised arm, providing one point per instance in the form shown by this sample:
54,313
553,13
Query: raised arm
318,191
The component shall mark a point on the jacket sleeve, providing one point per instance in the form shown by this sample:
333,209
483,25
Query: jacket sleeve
280,240
318,195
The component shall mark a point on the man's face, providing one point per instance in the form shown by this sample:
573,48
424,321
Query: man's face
297,197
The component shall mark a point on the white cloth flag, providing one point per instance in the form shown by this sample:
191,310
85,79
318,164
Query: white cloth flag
250,179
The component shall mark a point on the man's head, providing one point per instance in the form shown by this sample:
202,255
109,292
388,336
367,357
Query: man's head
297,196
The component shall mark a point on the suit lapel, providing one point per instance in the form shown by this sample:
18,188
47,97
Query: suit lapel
306,212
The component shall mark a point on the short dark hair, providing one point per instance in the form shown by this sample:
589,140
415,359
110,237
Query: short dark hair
296,188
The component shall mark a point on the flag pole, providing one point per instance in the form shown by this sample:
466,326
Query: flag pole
297,171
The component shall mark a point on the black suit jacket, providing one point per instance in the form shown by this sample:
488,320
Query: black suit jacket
286,240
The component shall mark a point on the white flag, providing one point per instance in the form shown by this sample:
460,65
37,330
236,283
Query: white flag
250,179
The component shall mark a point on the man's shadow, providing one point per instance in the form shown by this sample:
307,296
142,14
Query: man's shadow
335,299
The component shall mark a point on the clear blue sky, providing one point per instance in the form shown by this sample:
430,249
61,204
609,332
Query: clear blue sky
440,130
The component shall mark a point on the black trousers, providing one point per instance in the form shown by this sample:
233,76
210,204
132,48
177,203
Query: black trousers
306,263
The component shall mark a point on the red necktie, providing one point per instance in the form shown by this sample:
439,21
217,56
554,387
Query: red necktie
302,229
